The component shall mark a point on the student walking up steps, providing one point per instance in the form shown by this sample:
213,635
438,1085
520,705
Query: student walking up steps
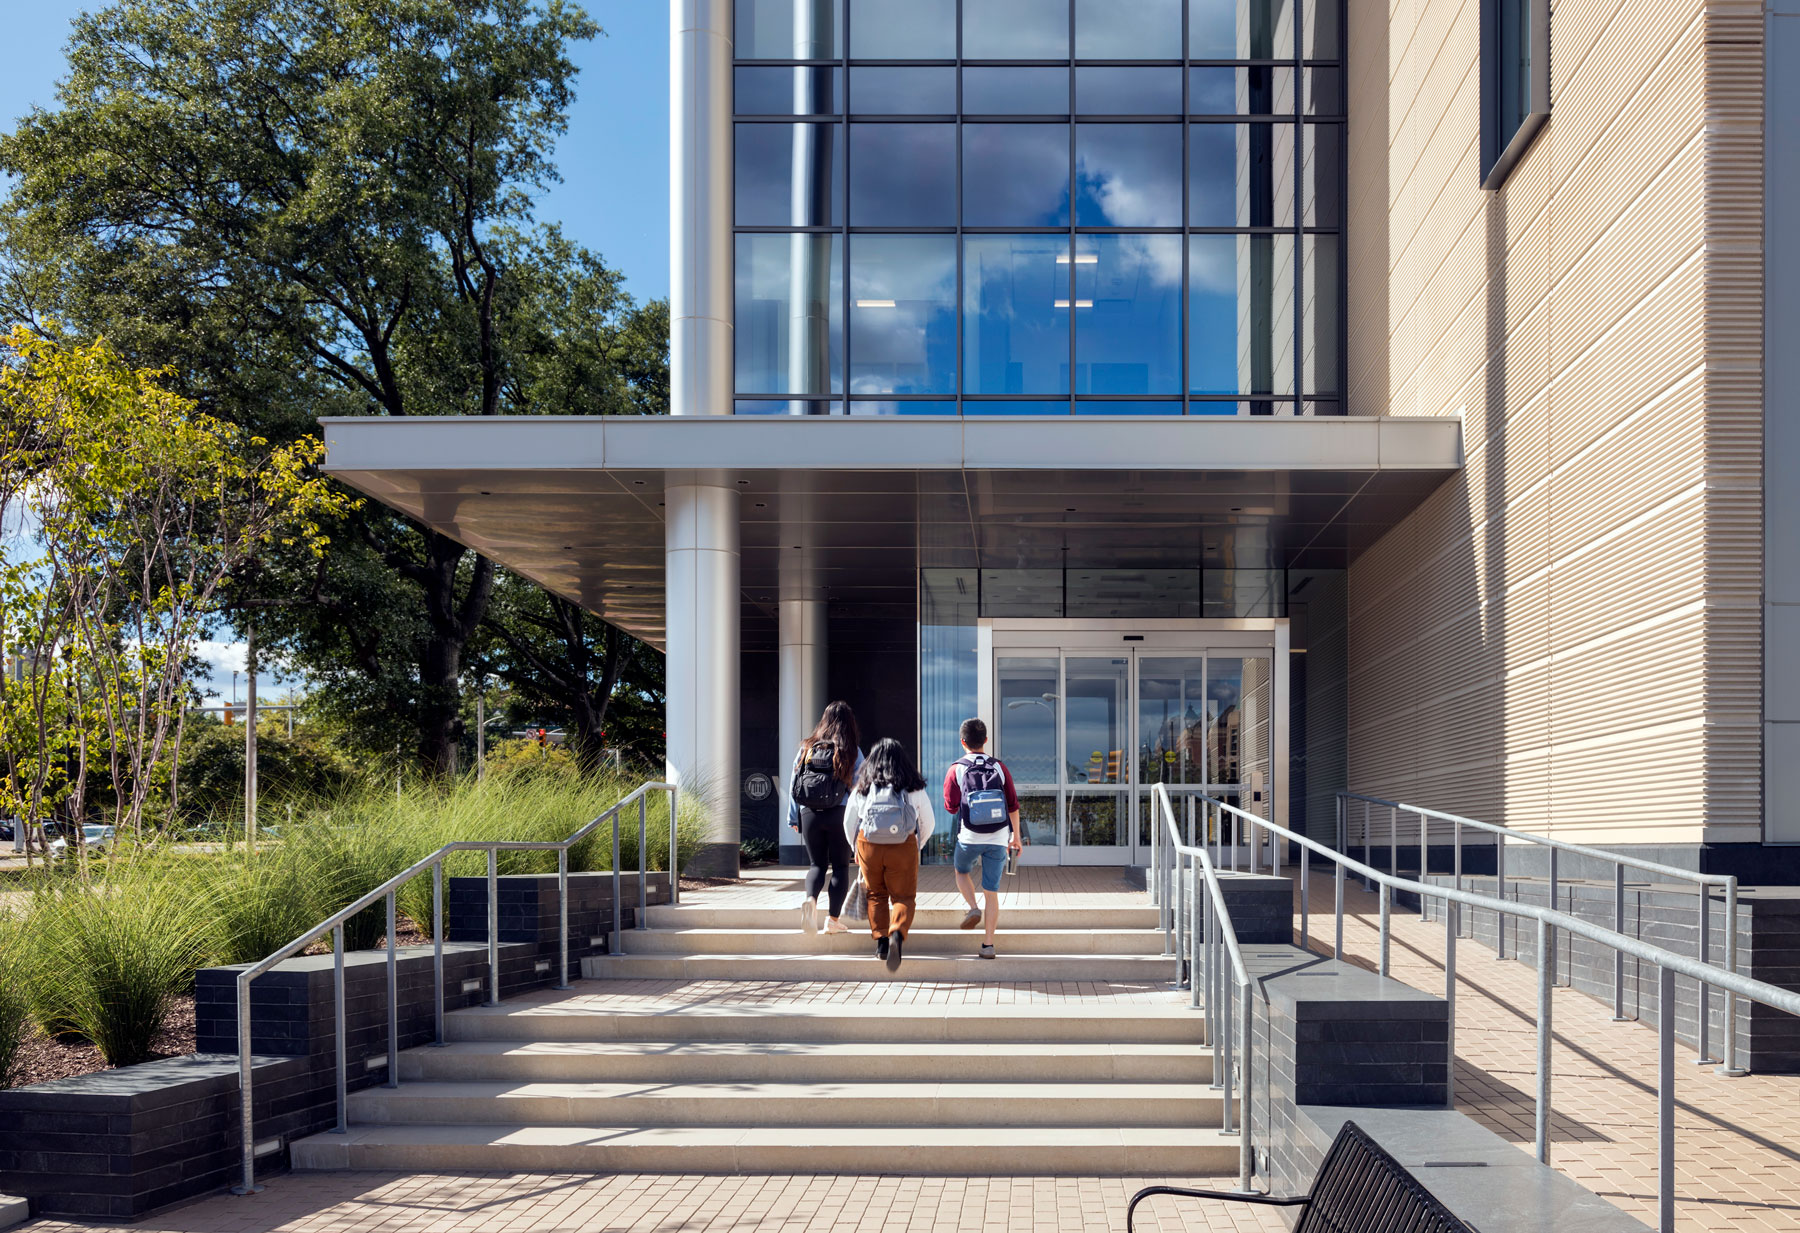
980,796
824,772
889,818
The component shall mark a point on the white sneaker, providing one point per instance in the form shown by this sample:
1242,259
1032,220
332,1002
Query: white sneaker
809,916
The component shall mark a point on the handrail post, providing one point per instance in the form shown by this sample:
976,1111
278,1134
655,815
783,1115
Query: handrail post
1731,1068
1387,896
1305,895
1337,950
437,952
674,850
615,945
1500,894
1665,1102
493,929
1458,869
1203,904
343,1045
393,992
246,1126
1227,1126
1183,926
1368,883
643,861
1618,955
1553,908
1704,1033
1424,863
562,918
1393,841
1544,1031
1246,1149
1451,911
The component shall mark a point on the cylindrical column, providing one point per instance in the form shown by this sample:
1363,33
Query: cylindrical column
700,204
800,669
701,672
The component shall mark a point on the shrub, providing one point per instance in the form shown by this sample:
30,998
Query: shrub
15,1007
292,769
109,957
760,851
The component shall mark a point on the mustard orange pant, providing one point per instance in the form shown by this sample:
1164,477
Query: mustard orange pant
891,872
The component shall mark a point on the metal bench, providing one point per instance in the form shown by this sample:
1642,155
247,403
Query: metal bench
1359,1189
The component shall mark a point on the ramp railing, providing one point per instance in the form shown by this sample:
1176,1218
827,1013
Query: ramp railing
1357,807
389,891
1217,817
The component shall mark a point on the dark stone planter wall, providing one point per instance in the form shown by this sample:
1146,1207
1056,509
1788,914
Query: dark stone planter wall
121,1144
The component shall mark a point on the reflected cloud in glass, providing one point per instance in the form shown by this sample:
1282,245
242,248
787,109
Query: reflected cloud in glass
1129,175
789,328
1016,314
766,161
1128,335
1128,91
903,91
1016,175
1128,29
909,30
903,314
1015,29
903,175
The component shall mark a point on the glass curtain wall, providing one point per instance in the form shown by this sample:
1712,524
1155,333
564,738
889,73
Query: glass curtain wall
1039,207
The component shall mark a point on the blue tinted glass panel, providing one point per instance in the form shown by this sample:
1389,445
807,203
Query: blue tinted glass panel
903,314
949,605
1256,90
864,406
769,159
788,406
1025,407
903,175
1128,314
1016,175
789,329
788,30
798,91
1016,92
1240,30
1241,314
1133,91
1015,29
1129,175
1320,287
912,30
1212,91
1241,175
903,91
1197,407
1128,29
1016,314
1092,407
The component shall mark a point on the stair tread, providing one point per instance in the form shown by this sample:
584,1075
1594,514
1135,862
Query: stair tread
1171,1008
1104,1089
850,1048
872,1134
869,957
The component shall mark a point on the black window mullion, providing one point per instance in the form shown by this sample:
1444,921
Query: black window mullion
961,274
1074,207
1187,132
1299,86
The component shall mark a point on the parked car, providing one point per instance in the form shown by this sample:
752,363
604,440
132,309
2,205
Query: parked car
97,838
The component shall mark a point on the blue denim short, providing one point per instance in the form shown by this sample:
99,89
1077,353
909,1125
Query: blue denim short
992,857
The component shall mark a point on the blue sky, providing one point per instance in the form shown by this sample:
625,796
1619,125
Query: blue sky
614,197
614,159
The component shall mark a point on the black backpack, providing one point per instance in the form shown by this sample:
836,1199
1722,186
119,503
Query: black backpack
816,783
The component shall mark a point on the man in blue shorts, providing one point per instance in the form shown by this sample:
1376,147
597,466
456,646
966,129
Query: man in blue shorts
979,794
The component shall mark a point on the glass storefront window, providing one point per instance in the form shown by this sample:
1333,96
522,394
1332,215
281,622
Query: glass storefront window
772,157
1129,175
1240,30
903,314
1028,705
1130,91
1241,314
1015,29
1015,175
903,175
1128,29
903,91
1128,314
789,332
797,91
1016,314
1015,92
788,30
913,30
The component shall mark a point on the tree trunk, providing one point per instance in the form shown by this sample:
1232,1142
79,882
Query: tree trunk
451,621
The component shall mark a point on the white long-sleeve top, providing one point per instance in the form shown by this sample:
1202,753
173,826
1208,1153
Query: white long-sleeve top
920,801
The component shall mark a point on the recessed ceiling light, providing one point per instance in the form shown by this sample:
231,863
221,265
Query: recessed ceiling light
1080,259
1078,303
876,304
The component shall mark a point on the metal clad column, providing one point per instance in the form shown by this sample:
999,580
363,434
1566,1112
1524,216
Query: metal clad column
801,664
703,705
700,208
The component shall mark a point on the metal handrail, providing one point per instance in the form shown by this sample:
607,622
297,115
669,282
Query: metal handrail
1669,964
389,891
1198,951
1620,862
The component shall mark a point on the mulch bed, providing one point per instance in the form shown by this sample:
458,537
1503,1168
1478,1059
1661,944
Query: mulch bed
43,1059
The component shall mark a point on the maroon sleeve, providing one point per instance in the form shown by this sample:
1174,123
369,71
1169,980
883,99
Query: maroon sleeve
952,791
1012,793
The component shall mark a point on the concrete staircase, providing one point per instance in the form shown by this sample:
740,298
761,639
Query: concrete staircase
659,1079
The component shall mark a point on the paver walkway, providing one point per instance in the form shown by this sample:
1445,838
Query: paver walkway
1738,1140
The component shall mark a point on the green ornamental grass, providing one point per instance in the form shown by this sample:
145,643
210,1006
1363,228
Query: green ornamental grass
15,1005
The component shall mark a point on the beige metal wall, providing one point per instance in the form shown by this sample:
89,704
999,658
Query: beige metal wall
1566,638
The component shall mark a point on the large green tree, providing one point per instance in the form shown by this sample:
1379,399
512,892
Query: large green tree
311,207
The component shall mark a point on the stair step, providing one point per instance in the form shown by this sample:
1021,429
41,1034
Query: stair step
1147,969
1008,1151
567,1018
791,940
791,1104
683,916
798,1061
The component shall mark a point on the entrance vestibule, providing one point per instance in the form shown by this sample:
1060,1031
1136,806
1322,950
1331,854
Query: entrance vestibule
1089,716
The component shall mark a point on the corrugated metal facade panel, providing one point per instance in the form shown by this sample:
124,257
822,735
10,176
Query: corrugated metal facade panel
1566,637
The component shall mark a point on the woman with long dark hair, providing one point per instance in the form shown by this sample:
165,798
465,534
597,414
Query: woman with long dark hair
889,818
825,768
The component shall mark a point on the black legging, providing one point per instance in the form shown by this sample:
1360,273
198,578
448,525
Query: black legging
828,851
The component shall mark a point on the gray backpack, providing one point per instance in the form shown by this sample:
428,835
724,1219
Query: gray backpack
888,817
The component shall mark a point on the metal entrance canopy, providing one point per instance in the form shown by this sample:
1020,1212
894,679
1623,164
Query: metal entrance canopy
575,503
